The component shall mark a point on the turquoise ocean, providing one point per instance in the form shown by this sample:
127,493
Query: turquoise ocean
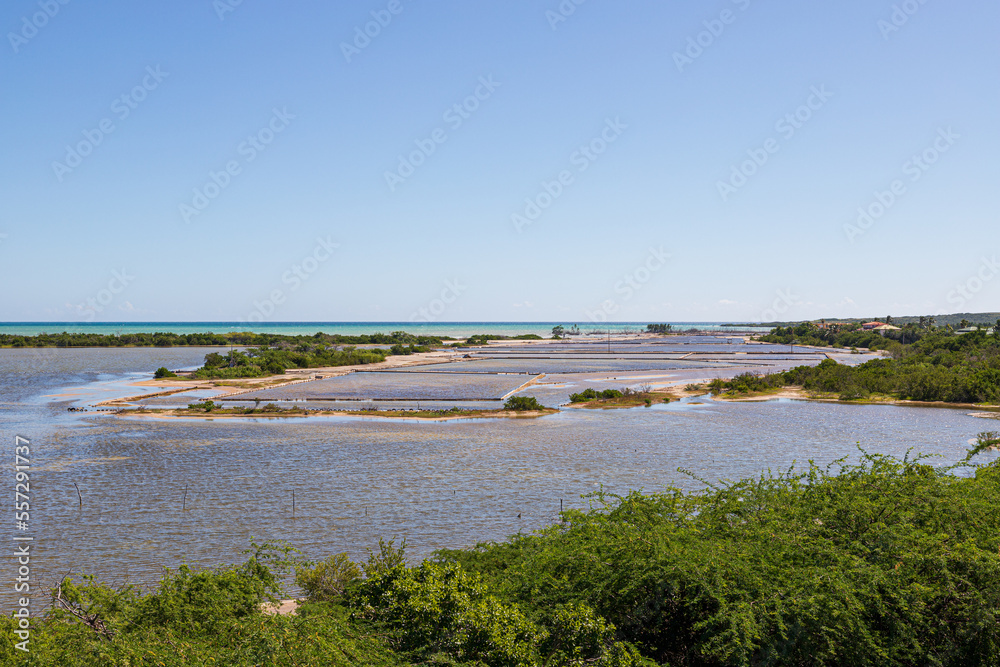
454,329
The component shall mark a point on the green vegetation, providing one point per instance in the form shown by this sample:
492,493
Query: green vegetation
479,340
522,404
237,339
206,617
164,372
849,336
591,394
626,397
328,579
746,383
659,328
220,409
885,561
954,319
261,361
853,335
934,365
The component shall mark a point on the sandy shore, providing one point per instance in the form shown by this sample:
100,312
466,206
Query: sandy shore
281,608
800,394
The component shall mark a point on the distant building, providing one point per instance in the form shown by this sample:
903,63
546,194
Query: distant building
886,327
868,326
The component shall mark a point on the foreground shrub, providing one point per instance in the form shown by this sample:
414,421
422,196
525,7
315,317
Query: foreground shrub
439,612
328,579
883,562
888,562
206,617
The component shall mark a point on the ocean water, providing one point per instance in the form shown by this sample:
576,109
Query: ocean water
157,493
453,329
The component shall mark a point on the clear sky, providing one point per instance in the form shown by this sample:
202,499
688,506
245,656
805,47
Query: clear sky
498,160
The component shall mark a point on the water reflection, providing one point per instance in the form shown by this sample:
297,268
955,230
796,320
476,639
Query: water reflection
437,484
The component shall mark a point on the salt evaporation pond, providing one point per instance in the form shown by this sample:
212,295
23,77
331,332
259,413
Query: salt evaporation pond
438,484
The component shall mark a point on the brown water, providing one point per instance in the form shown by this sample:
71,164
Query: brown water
355,480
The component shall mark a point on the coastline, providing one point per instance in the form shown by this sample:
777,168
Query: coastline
800,394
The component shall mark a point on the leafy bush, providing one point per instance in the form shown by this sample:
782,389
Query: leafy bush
886,561
522,404
328,579
590,394
203,617
745,383
201,599
439,612
164,372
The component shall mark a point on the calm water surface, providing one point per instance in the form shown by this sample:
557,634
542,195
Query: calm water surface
355,480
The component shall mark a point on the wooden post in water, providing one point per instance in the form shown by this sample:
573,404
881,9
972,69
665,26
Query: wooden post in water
79,495
184,499
293,503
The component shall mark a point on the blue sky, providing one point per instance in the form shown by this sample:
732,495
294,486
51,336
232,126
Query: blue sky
640,161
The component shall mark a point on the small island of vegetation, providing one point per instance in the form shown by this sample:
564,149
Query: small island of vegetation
925,363
626,397
515,406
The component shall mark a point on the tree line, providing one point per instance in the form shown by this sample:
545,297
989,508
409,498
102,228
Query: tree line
238,339
936,364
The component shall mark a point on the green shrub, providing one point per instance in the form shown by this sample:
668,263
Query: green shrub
583,396
522,404
437,608
164,372
439,613
852,393
206,617
889,562
328,579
